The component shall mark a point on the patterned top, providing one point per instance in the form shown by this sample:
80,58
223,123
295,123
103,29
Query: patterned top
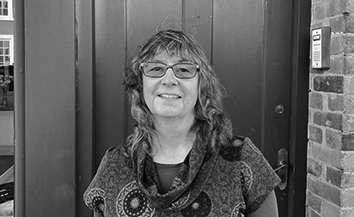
234,181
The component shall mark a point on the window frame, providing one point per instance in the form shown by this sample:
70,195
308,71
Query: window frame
11,39
10,14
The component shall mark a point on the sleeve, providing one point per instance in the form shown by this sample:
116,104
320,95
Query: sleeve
259,177
95,195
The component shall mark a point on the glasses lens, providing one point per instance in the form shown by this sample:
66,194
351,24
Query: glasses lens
185,70
154,69
181,70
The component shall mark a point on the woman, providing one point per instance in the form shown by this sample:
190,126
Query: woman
182,158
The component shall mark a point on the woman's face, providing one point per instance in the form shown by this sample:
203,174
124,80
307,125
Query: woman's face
169,96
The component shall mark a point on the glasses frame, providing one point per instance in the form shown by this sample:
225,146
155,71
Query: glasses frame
170,67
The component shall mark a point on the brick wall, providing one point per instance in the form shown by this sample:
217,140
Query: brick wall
330,164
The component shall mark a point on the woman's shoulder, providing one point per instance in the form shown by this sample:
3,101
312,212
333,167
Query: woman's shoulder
114,154
113,157
233,150
111,172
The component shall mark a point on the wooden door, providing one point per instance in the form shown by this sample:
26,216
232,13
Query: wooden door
250,44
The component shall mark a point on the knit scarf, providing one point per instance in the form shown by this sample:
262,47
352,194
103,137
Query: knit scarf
186,187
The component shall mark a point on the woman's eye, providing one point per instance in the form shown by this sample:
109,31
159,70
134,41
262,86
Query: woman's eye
184,70
156,69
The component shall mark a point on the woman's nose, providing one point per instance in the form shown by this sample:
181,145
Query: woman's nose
169,78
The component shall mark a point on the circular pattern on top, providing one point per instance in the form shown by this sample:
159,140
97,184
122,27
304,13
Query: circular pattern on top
201,207
132,202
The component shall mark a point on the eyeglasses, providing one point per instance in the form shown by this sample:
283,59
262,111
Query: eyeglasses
180,70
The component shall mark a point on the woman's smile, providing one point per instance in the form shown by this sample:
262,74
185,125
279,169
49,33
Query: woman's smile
169,96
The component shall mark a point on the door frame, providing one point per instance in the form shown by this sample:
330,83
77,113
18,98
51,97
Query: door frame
85,109
299,108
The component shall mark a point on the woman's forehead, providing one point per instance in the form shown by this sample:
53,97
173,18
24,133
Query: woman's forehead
176,54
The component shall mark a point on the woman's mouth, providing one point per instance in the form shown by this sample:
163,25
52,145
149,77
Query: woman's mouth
169,96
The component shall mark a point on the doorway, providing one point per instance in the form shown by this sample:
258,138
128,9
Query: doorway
257,49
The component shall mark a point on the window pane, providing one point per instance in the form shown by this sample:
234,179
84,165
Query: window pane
6,13
6,44
5,4
1,51
0,4
7,60
1,44
1,60
7,51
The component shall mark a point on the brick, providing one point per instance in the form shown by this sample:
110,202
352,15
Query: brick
344,23
348,85
309,148
330,210
348,142
347,198
319,11
310,116
342,43
348,161
349,44
316,100
332,84
311,80
334,139
315,134
328,119
348,123
329,156
314,202
335,102
347,180
324,190
348,63
334,176
348,212
337,64
337,44
312,213
349,104
338,24
349,19
350,7
314,167
336,7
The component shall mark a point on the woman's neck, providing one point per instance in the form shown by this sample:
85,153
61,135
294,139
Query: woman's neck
174,140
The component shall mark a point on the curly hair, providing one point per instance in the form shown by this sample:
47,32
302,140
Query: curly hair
212,125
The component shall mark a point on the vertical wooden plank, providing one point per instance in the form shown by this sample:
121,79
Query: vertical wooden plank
237,59
20,144
50,108
277,84
277,77
85,101
109,66
198,15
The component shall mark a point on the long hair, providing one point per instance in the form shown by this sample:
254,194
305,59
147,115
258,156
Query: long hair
211,126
